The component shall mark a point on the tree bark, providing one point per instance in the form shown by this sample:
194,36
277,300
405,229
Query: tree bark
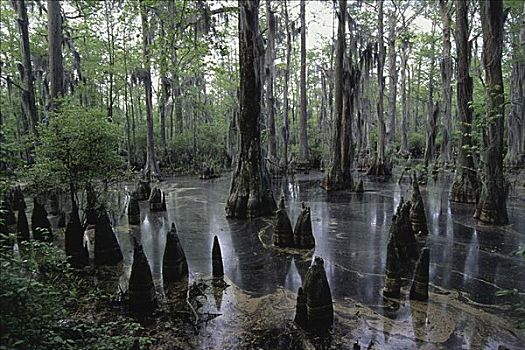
446,80
303,120
336,178
432,109
380,167
465,187
151,166
250,191
403,149
54,38
392,67
516,152
269,62
492,207
286,126
28,92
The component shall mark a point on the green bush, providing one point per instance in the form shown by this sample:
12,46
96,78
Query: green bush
416,144
43,305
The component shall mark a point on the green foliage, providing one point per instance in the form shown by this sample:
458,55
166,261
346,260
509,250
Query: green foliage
416,143
38,292
79,146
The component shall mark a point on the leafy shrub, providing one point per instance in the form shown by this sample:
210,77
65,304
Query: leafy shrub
416,144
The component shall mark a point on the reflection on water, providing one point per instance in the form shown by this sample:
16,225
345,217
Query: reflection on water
468,263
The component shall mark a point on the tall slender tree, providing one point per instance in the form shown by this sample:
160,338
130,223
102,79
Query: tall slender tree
336,178
151,166
465,186
303,120
446,81
269,73
250,191
492,207
54,39
380,166
28,92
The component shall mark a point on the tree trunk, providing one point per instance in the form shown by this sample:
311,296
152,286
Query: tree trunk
269,74
380,167
250,192
465,188
151,166
54,39
303,121
392,67
403,149
432,112
28,93
446,78
336,178
492,208
516,152
286,126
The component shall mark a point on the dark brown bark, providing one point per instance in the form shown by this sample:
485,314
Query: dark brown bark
269,74
403,149
28,92
392,67
492,208
379,166
303,120
446,80
516,127
335,177
465,186
250,192
286,126
54,38
151,166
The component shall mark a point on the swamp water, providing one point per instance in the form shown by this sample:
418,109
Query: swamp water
468,265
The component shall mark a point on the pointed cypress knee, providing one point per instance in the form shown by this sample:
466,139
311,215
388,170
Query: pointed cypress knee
418,219
74,239
283,232
303,237
155,200
107,249
281,203
419,289
141,292
175,266
392,287
133,211
216,259
6,213
301,317
18,196
40,225
22,226
402,234
319,308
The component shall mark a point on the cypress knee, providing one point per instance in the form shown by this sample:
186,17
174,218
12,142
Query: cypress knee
216,259
18,196
107,249
392,287
419,289
319,308
133,211
303,237
74,239
164,207
402,233
175,266
301,317
283,233
40,225
22,226
418,219
141,290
